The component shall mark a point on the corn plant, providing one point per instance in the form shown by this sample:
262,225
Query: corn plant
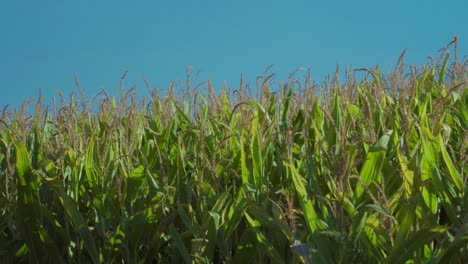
370,171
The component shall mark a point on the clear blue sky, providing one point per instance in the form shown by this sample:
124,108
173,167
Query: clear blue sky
44,43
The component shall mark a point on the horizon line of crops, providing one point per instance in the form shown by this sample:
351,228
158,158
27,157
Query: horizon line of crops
373,171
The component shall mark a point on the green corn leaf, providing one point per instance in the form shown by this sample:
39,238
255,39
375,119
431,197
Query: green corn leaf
286,107
135,180
256,159
182,114
444,69
373,164
222,200
312,220
379,209
263,242
29,208
455,176
406,218
453,252
77,220
236,212
214,224
429,159
262,114
405,250
179,244
90,167
374,237
186,219
360,227
353,110
407,173
267,220
338,121
244,170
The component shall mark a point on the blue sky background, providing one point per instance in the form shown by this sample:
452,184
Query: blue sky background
44,43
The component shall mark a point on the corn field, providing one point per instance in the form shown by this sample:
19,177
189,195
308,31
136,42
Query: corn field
368,171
